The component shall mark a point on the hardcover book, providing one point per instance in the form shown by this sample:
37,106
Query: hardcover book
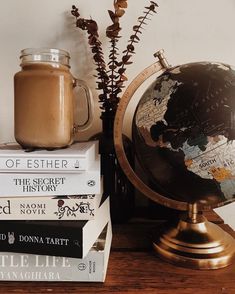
36,184
30,267
67,238
77,207
75,158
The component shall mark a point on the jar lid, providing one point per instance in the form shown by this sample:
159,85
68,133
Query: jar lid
45,55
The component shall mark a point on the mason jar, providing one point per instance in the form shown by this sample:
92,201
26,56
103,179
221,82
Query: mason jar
44,100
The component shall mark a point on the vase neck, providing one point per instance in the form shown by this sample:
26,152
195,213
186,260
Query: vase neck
107,123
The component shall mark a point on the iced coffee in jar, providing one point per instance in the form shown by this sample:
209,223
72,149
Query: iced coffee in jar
44,100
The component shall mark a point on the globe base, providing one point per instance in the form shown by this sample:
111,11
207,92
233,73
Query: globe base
196,243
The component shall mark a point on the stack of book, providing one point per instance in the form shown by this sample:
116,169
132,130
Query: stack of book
54,220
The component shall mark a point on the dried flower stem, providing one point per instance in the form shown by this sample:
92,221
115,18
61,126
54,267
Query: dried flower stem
134,39
111,81
91,27
113,32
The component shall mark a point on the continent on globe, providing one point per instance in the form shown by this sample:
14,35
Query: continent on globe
184,133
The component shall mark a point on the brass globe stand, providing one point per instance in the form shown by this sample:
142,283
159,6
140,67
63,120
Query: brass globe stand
193,241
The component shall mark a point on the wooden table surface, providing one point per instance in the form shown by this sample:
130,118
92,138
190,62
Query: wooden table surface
134,268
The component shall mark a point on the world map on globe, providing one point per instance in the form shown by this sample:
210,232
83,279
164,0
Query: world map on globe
184,133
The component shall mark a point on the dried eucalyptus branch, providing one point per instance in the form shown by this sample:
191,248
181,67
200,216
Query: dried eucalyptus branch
111,80
112,32
134,38
91,27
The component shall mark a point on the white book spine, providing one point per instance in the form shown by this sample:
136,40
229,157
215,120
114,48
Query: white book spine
29,267
44,164
87,182
76,158
26,267
82,207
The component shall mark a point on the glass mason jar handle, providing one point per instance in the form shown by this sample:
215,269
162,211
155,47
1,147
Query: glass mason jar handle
90,106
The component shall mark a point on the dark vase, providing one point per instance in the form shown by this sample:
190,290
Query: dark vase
115,182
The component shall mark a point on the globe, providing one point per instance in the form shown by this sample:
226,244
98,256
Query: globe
184,133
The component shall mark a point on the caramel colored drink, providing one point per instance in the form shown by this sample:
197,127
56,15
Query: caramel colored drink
44,101
43,106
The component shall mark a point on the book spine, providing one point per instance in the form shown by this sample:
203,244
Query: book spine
41,239
70,239
52,162
50,184
47,208
44,164
29,267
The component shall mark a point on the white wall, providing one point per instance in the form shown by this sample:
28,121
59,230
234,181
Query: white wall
188,30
